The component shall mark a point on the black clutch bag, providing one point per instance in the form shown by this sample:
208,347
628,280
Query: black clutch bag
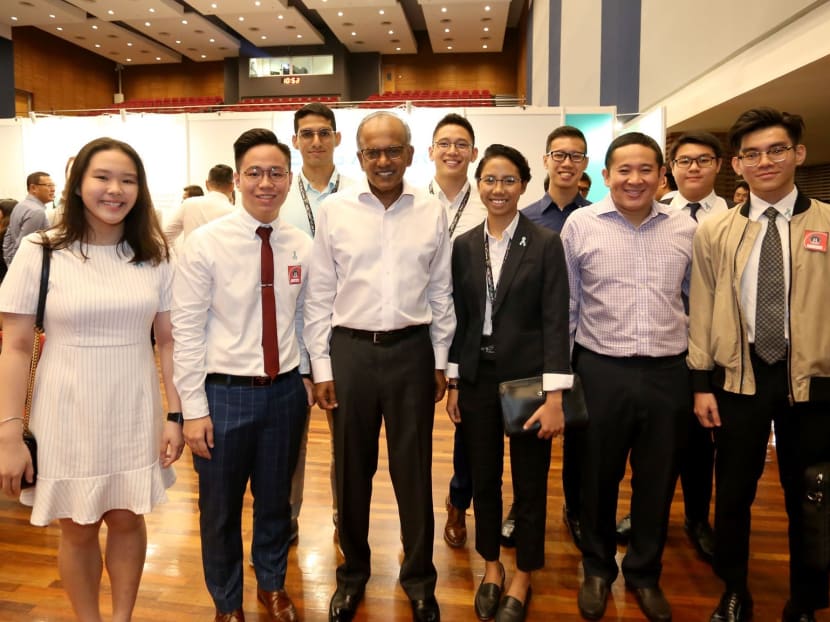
31,445
521,398
816,516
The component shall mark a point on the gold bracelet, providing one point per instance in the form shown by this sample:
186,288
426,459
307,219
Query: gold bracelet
11,419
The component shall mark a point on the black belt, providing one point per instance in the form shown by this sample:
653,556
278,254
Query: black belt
230,380
381,337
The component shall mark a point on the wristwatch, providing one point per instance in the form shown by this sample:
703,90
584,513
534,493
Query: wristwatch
176,418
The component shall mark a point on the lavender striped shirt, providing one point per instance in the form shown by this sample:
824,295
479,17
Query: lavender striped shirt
626,282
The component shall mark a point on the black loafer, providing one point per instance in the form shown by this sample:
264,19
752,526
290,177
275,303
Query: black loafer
512,609
572,523
488,597
653,603
702,537
733,607
343,606
425,610
791,614
593,598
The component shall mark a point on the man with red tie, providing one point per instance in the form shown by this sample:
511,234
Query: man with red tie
241,365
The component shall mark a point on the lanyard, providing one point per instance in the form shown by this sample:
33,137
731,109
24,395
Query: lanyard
461,207
491,286
304,197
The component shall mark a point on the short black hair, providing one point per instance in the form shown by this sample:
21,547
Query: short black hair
503,151
34,178
565,131
314,108
634,138
697,138
756,119
456,119
193,190
255,137
221,175
741,184
586,177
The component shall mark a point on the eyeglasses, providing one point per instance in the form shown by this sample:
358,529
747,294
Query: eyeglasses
47,185
490,181
274,173
560,156
323,134
775,154
460,145
392,153
703,161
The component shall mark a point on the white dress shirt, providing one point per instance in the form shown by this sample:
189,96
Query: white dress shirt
293,211
379,269
195,212
217,304
474,211
710,205
749,278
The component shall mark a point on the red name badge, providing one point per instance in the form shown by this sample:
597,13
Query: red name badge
815,241
295,275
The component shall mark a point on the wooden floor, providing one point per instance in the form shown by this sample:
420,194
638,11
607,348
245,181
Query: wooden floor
173,589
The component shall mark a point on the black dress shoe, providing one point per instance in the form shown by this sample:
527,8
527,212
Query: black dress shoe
592,598
624,529
791,614
507,529
343,606
733,607
702,537
572,523
653,603
426,610
512,609
488,596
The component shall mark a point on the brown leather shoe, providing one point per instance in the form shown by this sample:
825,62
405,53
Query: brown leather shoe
455,531
279,605
236,615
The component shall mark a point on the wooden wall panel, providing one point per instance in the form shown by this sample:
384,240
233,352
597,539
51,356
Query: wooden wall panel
59,75
185,79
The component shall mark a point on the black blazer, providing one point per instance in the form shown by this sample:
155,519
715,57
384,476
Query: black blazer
530,316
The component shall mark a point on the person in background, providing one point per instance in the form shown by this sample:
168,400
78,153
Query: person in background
242,371
666,189
511,304
741,193
759,351
453,150
104,447
29,215
201,209
192,191
6,207
584,185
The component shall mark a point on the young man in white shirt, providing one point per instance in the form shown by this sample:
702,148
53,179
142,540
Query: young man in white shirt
239,362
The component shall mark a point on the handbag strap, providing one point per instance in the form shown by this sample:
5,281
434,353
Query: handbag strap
38,330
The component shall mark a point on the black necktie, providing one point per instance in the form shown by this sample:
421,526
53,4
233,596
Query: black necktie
693,209
770,306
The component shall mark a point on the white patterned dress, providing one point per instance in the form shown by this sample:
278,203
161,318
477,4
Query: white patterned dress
97,412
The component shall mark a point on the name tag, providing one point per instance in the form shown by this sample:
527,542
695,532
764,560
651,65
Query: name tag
295,275
815,241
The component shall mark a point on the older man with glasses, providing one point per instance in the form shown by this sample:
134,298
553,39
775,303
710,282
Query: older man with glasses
30,214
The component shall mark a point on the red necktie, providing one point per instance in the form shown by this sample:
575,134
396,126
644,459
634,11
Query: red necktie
269,304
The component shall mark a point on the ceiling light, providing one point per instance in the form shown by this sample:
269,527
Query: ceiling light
129,60
59,28
178,40
263,37
14,19
339,13
94,27
97,45
443,9
110,12
184,21
299,36
484,46
446,29
51,16
354,34
212,40
398,49
487,8
449,47
152,10
158,57
391,32
129,44
213,6
486,29
241,19
147,24
203,56
257,3
280,16
381,12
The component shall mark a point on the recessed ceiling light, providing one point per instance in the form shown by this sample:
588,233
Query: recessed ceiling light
14,19
241,19
446,29
443,9
203,56
299,36
484,46
147,24
257,3
449,47
94,27
129,60
129,44
212,40
398,49
391,32
381,12
263,37
354,34
213,6
184,21
280,16
486,29
152,10
51,16
59,28
339,13
110,12
178,40
97,45
158,57
487,8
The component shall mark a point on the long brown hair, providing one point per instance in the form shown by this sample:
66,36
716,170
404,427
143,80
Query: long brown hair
6,207
142,232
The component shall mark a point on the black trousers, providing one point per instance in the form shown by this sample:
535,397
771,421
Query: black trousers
393,383
529,462
573,454
637,406
802,438
697,464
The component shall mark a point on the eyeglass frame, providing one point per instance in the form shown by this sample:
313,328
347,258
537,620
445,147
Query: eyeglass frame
275,174
567,155
309,134
460,145
760,154
696,160
492,181
378,151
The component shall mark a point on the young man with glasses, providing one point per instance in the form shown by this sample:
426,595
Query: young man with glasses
453,150
29,215
378,325
759,351
565,160
315,137
239,363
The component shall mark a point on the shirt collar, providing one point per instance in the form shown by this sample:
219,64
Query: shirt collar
606,206
707,202
251,224
307,184
785,206
509,232
364,189
577,201
436,189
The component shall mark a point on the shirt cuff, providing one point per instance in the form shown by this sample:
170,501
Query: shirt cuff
453,370
557,382
442,353
321,370
195,406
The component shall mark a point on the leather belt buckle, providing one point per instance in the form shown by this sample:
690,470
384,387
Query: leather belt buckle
377,338
261,381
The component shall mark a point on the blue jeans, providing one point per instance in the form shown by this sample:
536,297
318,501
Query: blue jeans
257,434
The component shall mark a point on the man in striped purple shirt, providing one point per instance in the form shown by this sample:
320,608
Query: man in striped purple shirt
628,262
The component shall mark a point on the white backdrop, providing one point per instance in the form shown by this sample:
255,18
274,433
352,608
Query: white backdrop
180,149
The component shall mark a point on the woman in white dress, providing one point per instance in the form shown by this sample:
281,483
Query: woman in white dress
104,450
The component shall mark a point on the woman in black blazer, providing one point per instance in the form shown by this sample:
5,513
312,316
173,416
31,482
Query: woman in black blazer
511,302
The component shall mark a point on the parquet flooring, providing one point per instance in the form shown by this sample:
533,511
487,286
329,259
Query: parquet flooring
173,589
